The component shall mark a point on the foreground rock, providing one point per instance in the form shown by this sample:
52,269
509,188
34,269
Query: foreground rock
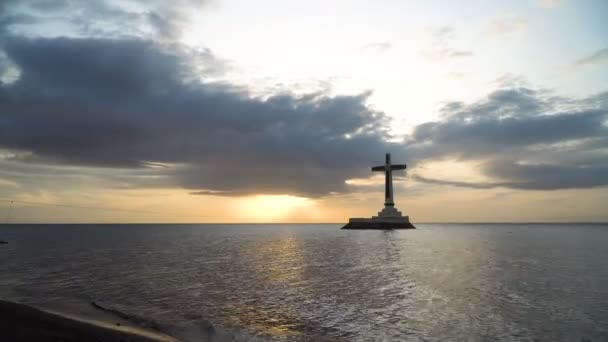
22,323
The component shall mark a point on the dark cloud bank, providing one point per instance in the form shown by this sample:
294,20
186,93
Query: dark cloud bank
130,103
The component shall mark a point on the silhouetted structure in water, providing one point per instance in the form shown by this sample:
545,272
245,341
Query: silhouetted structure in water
389,217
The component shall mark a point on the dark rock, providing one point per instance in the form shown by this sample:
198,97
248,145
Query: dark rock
207,327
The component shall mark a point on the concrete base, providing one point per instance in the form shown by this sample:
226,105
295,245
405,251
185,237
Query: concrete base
389,211
401,222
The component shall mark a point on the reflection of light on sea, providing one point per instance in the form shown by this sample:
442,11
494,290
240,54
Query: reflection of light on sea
455,277
282,260
278,264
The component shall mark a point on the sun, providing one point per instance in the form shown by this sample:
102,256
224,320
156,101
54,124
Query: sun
271,208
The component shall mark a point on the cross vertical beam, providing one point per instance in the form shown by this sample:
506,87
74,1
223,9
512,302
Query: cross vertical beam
388,169
388,182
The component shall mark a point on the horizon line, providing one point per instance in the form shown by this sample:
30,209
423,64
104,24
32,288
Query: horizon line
308,223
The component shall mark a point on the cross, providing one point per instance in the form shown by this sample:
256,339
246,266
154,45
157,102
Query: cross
388,178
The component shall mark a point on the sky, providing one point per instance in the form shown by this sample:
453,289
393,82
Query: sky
274,111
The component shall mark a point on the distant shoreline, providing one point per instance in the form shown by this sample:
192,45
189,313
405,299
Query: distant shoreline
24,323
281,223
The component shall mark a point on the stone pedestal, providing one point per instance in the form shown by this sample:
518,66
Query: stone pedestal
388,211
388,218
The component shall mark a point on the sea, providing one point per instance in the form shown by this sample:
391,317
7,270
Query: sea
315,282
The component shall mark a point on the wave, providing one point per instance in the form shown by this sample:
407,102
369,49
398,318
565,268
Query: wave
140,321
200,330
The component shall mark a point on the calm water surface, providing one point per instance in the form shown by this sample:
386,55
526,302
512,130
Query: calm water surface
315,282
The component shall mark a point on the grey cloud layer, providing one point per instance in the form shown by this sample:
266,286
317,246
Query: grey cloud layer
161,20
138,108
526,139
600,56
125,103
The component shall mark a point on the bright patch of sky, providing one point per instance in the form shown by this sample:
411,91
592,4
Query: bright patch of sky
413,55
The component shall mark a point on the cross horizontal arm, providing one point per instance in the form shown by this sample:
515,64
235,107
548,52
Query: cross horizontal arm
398,167
379,168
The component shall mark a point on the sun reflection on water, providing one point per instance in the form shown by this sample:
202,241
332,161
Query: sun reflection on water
278,264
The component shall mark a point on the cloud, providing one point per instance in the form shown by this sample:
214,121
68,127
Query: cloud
143,111
549,3
158,20
134,102
506,26
511,81
456,54
379,46
442,49
598,57
134,105
533,177
456,75
544,176
524,139
471,185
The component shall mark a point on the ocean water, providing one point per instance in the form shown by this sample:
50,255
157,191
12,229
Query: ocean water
441,282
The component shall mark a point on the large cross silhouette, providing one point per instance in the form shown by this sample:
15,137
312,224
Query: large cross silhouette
388,168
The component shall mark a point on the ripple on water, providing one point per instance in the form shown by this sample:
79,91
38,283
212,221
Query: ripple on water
303,282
